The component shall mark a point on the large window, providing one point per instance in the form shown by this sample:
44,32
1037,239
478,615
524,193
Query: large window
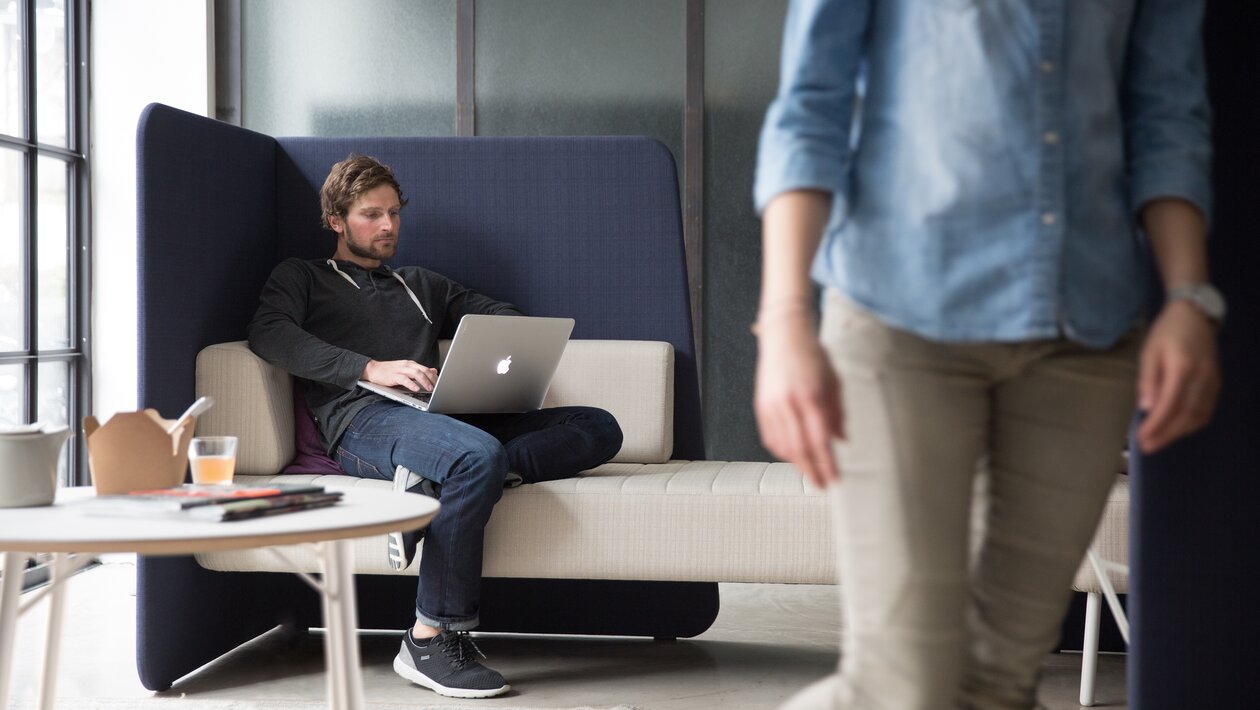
44,374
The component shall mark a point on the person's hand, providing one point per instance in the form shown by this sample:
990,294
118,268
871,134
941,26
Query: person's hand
1178,376
797,400
401,373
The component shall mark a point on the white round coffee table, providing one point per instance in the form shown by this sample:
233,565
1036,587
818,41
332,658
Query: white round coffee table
64,528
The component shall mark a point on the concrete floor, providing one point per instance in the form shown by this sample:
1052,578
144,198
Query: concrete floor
768,641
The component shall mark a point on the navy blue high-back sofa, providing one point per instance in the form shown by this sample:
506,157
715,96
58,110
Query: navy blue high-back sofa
582,227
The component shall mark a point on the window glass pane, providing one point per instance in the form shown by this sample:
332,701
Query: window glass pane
336,68
12,395
581,67
54,393
53,405
54,254
10,69
12,275
50,71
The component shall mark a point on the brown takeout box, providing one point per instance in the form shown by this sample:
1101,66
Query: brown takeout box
132,451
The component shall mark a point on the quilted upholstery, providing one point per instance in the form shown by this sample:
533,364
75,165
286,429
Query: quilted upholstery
711,521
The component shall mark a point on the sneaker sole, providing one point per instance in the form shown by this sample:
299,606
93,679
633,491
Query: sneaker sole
419,678
397,558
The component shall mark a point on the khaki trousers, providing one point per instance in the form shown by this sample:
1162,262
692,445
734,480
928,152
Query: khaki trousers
932,618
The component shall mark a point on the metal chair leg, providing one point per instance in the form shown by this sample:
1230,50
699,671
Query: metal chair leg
1089,647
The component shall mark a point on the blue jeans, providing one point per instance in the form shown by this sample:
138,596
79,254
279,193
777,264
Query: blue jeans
468,456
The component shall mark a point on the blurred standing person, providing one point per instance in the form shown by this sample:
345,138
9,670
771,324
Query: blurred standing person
970,183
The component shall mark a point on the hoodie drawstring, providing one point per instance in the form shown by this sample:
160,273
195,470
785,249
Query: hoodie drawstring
414,300
396,275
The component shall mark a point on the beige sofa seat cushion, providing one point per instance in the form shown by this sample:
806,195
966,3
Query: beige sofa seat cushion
634,380
1111,541
700,521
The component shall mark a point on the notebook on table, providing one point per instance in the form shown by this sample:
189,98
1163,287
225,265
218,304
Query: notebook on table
496,364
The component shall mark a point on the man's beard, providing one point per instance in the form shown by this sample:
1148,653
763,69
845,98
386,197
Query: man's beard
372,251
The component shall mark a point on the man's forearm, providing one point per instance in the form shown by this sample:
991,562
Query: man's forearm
299,353
1178,236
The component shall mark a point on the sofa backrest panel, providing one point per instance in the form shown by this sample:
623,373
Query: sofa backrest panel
205,225
585,227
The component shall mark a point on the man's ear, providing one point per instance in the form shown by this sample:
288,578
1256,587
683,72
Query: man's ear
334,221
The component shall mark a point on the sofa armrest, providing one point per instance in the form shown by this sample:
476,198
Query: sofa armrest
253,400
633,380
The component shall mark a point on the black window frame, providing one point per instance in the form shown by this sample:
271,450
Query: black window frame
77,355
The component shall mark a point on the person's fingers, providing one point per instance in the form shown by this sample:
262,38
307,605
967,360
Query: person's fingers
798,415
771,431
1193,411
1149,376
1187,398
427,378
411,381
796,444
818,432
413,376
1165,400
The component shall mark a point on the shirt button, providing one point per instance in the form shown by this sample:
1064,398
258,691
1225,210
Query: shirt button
1047,67
1049,219
1051,137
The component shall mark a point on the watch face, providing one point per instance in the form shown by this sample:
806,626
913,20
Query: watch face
1212,302
1205,297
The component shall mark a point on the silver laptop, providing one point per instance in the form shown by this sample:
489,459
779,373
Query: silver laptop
495,364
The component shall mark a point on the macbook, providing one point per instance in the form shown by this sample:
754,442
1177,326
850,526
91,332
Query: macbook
495,364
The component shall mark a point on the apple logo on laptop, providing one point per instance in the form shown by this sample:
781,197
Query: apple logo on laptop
504,365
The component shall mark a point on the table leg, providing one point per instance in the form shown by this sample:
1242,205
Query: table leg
10,602
60,569
341,644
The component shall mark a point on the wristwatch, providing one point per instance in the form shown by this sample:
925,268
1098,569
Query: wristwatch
1203,296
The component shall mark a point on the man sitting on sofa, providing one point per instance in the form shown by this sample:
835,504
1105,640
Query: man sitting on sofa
335,321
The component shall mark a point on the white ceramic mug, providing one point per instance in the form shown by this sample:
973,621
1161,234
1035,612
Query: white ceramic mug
28,467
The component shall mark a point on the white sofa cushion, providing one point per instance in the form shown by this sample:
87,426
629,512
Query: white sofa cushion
253,400
634,380
699,521
1111,541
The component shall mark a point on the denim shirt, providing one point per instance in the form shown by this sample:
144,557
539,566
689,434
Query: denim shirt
988,159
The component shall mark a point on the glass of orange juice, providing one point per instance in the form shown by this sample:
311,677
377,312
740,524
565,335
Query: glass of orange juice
213,459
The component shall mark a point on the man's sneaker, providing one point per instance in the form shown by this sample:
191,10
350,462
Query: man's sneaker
447,665
401,546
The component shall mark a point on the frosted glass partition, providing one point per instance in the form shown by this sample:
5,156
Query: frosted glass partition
335,68
581,67
741,43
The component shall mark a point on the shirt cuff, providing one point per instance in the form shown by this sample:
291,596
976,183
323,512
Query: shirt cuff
1149,185
784,169
351,368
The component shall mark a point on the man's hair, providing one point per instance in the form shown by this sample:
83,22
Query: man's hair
349,180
